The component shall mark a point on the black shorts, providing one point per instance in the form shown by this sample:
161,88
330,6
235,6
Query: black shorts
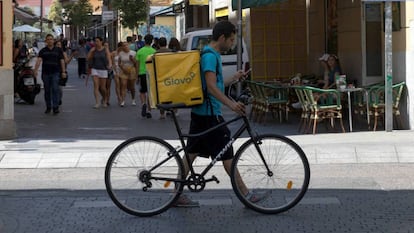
143,83
211,144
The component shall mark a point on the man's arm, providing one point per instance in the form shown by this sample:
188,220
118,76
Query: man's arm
38,62
239,75
211,81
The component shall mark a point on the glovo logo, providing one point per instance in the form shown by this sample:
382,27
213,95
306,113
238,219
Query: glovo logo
179,81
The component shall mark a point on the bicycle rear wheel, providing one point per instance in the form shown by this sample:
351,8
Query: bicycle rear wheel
140,176
279,188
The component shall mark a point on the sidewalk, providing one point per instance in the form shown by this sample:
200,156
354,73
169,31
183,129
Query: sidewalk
81,136
341,148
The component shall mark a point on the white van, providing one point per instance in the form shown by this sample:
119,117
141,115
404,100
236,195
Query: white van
199,38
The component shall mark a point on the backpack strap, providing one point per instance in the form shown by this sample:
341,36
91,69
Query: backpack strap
204,84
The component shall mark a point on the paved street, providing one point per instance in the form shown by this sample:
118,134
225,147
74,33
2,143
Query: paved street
51,176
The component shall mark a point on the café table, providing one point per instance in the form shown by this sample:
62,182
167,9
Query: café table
348,91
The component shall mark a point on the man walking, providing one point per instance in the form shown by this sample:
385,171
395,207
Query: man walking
141,57
208,114
53,68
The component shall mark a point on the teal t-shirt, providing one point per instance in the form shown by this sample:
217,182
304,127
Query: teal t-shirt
210,61
142,55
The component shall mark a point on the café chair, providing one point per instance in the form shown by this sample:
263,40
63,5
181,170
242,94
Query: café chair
324,104
273,99
305,115
378,103
256,101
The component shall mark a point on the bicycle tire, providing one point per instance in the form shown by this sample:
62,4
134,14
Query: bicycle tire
129,161
280,191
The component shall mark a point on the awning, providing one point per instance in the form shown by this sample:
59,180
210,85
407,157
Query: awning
156,11
26,16
252,3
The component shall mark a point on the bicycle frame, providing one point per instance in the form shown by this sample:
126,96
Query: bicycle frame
184,147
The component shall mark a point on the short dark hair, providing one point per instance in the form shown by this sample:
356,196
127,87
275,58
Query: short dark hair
162,41
148,39
225,28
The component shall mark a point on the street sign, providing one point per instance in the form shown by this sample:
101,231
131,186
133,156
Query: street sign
178,8
107,15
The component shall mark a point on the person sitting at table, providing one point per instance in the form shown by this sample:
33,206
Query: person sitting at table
332,68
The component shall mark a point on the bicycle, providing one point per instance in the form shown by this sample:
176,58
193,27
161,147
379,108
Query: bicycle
144,175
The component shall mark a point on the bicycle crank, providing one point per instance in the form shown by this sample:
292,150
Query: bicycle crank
197,182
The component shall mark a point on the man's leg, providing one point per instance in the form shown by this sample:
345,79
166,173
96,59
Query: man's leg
183,200
240,183
191,157
55,91
47,89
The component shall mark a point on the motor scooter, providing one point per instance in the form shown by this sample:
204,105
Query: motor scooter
26,83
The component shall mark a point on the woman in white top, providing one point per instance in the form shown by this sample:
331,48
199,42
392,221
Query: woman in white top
128,75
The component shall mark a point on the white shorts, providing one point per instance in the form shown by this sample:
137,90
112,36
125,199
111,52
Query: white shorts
99,73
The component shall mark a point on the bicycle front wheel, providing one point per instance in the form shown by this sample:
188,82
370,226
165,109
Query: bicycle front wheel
141,176
277,180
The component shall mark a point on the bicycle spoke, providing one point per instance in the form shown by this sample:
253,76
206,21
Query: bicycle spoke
289,178
128,176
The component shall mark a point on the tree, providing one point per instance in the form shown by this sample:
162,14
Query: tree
78,13
55,13
131,12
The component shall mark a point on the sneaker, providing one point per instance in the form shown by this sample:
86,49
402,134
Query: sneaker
134,103
144,110
122,104
55,111
97,106
184,201
255,197
48,110
148,115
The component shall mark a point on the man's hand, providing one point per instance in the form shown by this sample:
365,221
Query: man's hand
238,108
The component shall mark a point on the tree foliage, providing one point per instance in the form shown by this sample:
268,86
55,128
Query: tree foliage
131,12
78,13
55,13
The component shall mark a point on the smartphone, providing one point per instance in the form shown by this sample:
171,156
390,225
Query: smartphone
248,72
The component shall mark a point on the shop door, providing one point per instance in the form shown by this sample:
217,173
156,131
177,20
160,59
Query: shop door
372,44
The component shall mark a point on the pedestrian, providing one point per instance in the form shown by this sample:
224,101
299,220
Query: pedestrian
53,68
117,71
110,75
209,114
81,56
63,80
140,43
155,43
128,75
163,49
20,51
141,58
99,59
174,44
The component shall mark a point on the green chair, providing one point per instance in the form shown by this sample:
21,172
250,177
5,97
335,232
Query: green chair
324,104
257,101
306,110
377,105
274,99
